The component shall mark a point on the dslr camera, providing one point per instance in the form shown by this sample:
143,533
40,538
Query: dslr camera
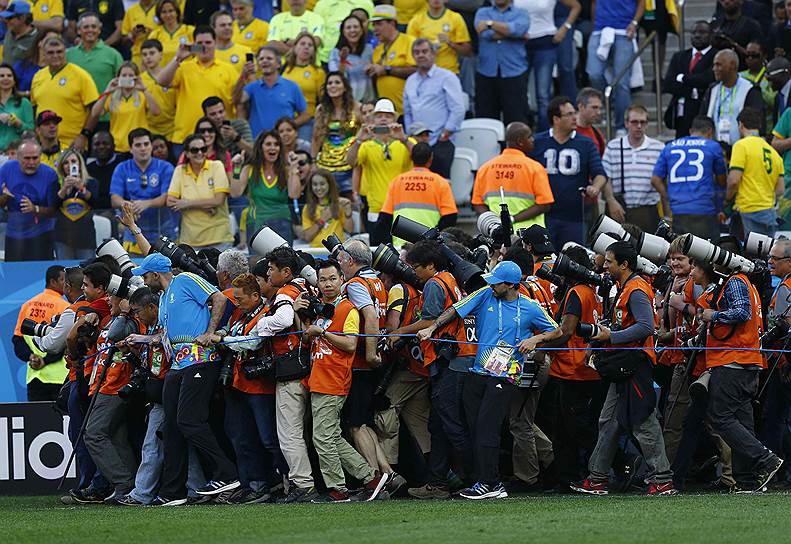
586,331
387,261
316,308
139,378
202,267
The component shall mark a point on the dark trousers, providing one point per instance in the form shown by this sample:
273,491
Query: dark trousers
564,230
186,398
87,473
40,248
645,217
446,424
731,391
506,96
579,404
251,428
702,226
40,391
443,158
487,402
691,432
775,413
378,233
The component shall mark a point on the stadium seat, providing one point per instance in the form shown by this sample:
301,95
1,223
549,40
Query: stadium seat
483,135
103,228
462,174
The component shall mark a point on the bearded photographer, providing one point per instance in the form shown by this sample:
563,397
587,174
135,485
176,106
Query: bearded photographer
631,401
190,310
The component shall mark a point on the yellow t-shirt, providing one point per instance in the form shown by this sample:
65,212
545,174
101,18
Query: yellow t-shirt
333,226
253,35
129,114
423,25
407,9
398,54
236,56
171,42
200,228
68,92
378,172
761,165
194,83
285,6
46,9
166,100
310,80
134,16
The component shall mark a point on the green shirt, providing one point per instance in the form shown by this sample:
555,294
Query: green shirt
102,62
783,130
266,203
24,111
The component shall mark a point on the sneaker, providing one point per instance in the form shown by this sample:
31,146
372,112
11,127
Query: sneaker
300,494
215,487
112,500
483,491
428,492
662,489
162,501
372,489
194,500
246,495
334,496
89,495
750,490
455,483
764,476
590,487
396,482
128,500
68,500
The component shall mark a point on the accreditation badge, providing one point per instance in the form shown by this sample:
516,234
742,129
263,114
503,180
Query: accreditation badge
499,360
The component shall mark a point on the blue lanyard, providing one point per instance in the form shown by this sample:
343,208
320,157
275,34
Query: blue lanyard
517,336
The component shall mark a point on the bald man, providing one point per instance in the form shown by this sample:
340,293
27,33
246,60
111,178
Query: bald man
729,95
778,74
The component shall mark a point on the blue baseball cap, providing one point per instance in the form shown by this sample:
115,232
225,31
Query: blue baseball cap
156,262
504,272
14,9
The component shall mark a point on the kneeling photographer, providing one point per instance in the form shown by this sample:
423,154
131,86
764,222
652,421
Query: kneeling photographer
631,400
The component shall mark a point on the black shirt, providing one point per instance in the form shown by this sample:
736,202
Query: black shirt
103,174
109,11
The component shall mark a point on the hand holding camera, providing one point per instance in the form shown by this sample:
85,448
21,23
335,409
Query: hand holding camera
602,334
227,131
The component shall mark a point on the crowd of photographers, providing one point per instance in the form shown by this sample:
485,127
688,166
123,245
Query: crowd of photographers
365,375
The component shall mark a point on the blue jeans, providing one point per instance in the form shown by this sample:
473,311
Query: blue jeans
65,252
541,61
86,468
562,231
306,131
152,457
762,221
618,59
567,77
280,226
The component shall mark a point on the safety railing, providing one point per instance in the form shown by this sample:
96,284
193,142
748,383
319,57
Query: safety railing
608,91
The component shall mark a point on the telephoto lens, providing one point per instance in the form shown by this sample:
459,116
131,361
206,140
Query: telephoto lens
587,330
265,240
758,244
664,230
333,245
30,327
114,249
545,273
123,287
704,251
565,266
386,260
412,231
178,257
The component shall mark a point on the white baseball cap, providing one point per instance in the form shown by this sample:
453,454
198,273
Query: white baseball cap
384,105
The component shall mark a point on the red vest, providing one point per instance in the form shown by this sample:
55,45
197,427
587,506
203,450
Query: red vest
571,364
623,319
741,335
378,293
455,328
257,386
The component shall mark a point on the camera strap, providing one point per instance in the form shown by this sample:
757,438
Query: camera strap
618,296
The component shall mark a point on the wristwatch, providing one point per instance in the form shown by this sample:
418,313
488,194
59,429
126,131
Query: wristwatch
489,24
136,231
388,70
567,25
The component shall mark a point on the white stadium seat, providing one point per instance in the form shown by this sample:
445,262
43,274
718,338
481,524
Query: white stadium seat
483,135
462,174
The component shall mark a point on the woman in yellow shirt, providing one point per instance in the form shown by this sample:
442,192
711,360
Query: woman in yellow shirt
301,68
128,102
325,212
171,32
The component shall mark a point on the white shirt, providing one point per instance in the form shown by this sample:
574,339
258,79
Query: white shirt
542,17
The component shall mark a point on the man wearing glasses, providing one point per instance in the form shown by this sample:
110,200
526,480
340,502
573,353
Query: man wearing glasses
629,161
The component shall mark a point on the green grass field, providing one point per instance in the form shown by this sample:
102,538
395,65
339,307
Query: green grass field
684,519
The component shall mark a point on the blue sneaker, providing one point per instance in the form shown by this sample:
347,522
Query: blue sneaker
215,487
484,491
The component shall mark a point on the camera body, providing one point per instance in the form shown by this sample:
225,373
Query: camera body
138,379
586,331
316,308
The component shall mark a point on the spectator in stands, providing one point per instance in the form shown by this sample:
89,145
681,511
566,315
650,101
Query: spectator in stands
755,177
70,94
501,81
334,13
31,62
47,123
524,181
351,56
128,102
143,181
20,33
235,133
75,236
379,153
171,31
270,98
757,73
16,113
446,30
634,154
728,96
101,165
780,37
139,21
287,25
325,212
688,76
94,56
48,16
269,180
194,81
589,112
29,194
575,172
216,152
151,55
160,149
225,49
778,73
543,38
433,96
286,128
247,30
301,68
733,29
338,119
111,16
393,61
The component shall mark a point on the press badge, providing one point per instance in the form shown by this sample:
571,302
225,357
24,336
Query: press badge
499,360
724,130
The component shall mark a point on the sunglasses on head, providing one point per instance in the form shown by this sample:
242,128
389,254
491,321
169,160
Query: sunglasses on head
203,149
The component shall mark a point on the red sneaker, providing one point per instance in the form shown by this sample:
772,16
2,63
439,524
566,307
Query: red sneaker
662,489
590,487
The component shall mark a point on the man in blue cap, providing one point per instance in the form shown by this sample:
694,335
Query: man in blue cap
505,321
190,309
20,32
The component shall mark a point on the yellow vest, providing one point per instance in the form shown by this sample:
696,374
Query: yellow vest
52,373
